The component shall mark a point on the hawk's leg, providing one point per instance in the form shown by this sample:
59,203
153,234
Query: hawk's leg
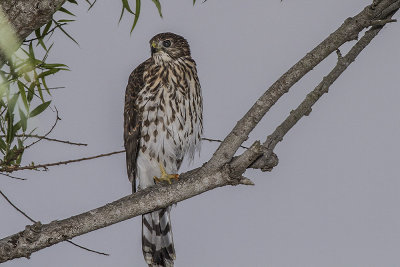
165,176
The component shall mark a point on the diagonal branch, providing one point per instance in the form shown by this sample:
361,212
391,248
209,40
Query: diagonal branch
221,170
348,31
322,88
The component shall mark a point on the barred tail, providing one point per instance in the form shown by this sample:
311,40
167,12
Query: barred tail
157,241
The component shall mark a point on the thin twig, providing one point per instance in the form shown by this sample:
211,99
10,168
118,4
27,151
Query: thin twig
13,177
46,165
219,141
88,249
50,31
51,129
49,139
15,207
32,220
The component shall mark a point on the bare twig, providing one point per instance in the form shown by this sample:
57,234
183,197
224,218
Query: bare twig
219,141
13,177
46,165
88,249
15,207
51,139
48,139
44,136
33,221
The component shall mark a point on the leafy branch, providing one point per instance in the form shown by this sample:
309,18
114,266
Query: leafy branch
24,90
126,7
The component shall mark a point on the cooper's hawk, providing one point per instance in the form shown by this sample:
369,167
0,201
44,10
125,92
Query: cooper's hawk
162,124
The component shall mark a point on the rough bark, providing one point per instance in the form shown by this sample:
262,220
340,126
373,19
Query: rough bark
25,16
222,169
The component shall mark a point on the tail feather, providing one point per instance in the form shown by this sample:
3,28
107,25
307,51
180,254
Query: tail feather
157,240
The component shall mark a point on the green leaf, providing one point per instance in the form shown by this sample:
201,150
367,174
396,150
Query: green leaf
73,2
21,151
47,28
39,109
16,127
23,94
10,122
51,66
11,103
137,13
37,84
48,72
31,53
158,5
125,4
194,2
23,119
66,20
26,77
66,11
45,85
39,37
66,33
40,90
3,146
31,92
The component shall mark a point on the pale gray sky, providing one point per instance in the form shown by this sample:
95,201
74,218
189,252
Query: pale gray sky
333,200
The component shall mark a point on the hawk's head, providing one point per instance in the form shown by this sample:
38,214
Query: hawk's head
168,46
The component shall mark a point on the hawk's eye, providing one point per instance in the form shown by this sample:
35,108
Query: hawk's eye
166,43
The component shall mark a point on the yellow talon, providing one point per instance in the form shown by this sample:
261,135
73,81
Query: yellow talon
165,176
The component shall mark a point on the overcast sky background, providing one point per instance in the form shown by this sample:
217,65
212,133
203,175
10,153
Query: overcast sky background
333,200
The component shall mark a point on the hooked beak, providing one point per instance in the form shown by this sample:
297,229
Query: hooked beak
154,48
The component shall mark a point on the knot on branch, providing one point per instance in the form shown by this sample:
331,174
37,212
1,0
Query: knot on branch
233,177
18,242
265,163
32,232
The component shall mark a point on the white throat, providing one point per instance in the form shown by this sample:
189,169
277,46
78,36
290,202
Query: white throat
162,58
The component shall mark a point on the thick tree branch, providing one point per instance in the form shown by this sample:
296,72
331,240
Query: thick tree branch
25,16
222,169
32,220
348,31
38,236
304,108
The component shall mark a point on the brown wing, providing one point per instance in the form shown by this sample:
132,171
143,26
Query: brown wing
133,121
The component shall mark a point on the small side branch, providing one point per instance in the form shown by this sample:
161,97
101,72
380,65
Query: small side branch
35,222
46,165
305,107
45,136
48,139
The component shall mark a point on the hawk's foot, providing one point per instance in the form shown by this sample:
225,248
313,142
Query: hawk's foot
165,176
